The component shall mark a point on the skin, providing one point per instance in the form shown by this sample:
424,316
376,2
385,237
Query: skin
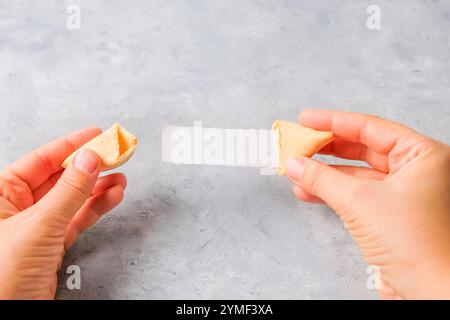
43,210
397,211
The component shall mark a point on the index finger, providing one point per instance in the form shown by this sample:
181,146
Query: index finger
36,167
376,133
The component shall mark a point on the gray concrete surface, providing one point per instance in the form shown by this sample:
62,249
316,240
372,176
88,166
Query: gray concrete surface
207,232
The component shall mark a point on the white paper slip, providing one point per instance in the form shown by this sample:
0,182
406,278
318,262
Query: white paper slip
221,147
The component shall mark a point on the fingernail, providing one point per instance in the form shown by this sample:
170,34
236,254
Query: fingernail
295,168
86,161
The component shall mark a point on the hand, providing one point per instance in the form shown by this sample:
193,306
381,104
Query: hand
398,211
43,210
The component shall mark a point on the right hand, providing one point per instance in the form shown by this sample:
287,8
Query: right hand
398,211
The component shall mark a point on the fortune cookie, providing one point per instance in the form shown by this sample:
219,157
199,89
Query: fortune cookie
295,140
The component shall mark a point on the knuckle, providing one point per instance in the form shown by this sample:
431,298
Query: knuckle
51,221
315,176
299,194
44,159
73,186
15,190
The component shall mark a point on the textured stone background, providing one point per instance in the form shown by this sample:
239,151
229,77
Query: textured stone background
207,232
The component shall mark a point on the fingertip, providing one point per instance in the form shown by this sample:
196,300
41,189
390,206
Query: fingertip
110,180
86,161
117,193
315,118
122,193
298,192
123,181
117,178
304,113
92,130
295,167
108,199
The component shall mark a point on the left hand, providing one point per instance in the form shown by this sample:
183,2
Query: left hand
43,210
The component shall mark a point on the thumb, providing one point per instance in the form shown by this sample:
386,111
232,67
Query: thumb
74,186
329,184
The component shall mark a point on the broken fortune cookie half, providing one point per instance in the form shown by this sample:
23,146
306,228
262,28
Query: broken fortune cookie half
114,147
295,140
